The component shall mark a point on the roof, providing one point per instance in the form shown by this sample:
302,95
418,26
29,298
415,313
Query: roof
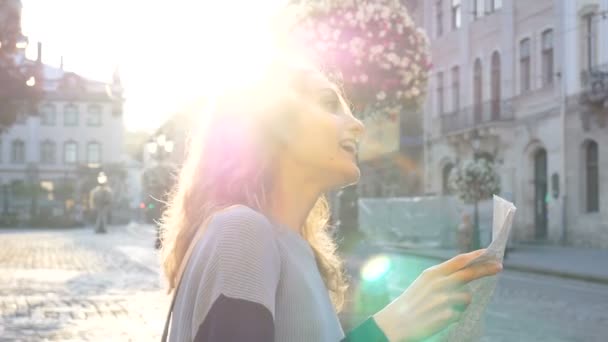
60,84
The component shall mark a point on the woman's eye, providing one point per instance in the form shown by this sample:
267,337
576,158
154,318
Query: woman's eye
330,104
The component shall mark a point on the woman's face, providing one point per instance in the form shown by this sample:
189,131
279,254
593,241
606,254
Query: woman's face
324,139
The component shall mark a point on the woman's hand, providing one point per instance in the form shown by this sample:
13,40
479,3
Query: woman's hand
435,299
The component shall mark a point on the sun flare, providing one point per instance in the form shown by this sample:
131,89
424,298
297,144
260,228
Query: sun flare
169,53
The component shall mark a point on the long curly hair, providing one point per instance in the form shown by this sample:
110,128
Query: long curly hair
232,160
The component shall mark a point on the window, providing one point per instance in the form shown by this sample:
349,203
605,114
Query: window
439,18
495,5
18,152
592,177
47,152
94,115
524,65
477,90
455,88
70,152
547,57
478,8
70,115
456,14
47,114
495,93
440,94
93,153
589,41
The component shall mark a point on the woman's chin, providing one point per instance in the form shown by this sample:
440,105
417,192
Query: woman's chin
350,175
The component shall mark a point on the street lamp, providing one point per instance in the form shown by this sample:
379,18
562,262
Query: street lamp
102,178
159,148
158,178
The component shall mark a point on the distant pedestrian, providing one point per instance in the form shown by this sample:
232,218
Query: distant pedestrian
465,234
101,201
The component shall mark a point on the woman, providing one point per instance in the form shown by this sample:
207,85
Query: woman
265,268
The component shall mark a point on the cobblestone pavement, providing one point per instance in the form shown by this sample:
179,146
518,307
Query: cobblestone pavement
74,285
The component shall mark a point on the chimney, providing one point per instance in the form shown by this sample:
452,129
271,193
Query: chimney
61,63
39,59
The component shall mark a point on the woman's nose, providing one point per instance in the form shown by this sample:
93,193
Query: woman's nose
357,127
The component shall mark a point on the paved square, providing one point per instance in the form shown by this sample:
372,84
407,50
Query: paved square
74,285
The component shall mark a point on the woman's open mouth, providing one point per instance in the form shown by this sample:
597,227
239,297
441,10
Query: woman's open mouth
350,146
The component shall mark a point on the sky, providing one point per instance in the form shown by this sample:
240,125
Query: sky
168,53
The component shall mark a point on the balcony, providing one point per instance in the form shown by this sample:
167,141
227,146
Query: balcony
482,114
594,84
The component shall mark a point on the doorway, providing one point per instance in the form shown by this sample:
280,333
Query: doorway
540,194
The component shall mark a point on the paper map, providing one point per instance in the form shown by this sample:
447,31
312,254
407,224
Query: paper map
470,326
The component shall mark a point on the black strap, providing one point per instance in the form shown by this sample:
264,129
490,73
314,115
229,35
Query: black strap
168,320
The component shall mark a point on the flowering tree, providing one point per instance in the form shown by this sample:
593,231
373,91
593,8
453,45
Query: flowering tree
473,181
374,47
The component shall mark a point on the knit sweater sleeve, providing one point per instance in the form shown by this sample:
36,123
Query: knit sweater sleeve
241,279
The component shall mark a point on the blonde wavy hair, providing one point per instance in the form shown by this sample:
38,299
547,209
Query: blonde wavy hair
231,160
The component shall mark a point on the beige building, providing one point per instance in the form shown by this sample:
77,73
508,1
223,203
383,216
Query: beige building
524,83
75,131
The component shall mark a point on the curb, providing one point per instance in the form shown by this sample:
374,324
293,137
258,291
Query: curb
520,268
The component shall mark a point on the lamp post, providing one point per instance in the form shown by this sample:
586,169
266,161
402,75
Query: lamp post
476,144
160,149
102,178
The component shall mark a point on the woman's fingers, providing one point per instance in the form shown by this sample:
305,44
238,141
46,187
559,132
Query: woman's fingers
459,261
473,272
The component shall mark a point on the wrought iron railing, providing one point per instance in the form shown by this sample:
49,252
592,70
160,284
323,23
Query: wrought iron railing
476,115
594,84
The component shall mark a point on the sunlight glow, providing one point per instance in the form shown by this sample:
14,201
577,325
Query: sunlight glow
170,53
31,81
375,268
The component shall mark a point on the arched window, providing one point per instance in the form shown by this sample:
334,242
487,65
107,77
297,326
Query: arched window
440,94
438,18
524,65
47,152
592,184
93,153
547,57
455,89
18,152
589,39
70,152
447,170
477,90
456,14
495,94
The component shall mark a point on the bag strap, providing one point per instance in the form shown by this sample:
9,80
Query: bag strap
197,236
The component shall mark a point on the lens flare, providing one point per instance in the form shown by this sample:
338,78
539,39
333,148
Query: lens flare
375,268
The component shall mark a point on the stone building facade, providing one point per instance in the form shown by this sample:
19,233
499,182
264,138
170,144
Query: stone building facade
524,83
75,131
